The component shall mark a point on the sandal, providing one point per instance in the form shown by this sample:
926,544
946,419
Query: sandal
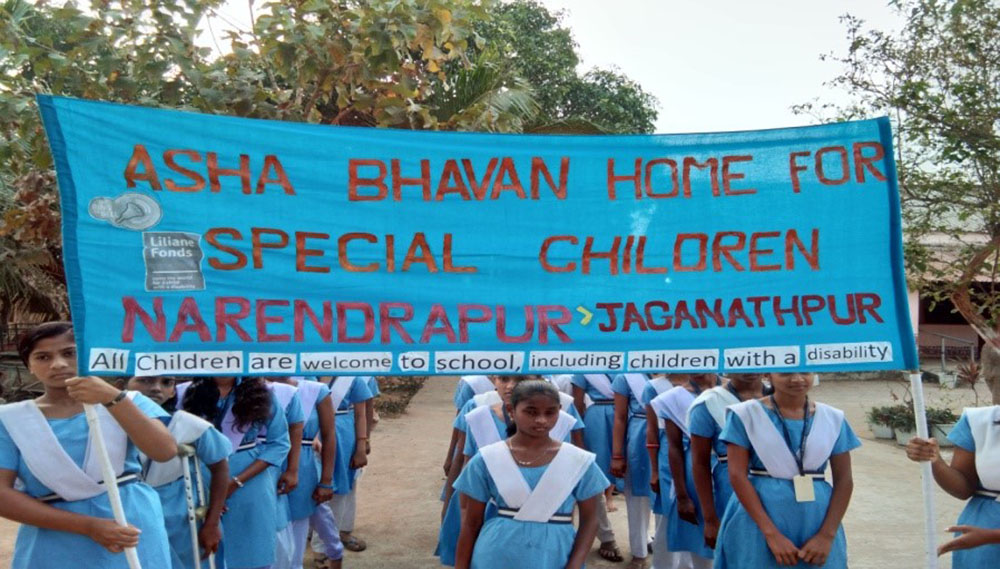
352,543
637,563
327,563
610,552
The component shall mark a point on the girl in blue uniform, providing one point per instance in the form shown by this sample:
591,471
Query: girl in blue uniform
486,419
973,475
451,515
242,408
211,449
598,419
786,514
532,528
709,460
629,460
67,519
287,473
660,483
467,387
315,473
683,523
348,394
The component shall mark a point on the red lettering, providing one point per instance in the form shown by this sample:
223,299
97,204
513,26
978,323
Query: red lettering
635,178
197,179
212,237
214,172
354,181
388,322
529,326
369,322
263,320
538,167
157,329
424,181
702,240
464,318
301,311
224,319
271,162
756,251
189,310
862,162
845,168
140,157
543,254
301,252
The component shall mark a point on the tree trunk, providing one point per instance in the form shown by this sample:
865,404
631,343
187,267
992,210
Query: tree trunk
990,370
990,359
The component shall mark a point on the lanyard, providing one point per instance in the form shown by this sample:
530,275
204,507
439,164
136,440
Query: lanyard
801,454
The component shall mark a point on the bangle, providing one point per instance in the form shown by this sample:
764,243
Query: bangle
118,399
325,486
618,456
236,479
362,438
652,445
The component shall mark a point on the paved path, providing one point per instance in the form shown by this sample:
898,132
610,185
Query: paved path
398,509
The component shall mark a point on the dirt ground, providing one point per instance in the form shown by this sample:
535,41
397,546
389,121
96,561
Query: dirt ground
398,507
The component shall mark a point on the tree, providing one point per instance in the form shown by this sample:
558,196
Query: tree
543,52
351,62
939,80
413,64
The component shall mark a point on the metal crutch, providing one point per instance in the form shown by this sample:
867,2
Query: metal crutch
185,452
202,511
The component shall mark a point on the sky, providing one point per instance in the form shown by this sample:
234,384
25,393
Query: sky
714,65
718,65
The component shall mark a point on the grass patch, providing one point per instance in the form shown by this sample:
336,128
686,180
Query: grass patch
397,390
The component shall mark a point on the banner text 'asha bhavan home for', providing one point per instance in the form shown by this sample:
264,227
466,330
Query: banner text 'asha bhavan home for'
199,244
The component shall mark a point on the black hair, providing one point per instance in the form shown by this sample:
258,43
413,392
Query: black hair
527,389
27,341
251,401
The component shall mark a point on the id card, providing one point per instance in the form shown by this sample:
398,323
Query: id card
804,491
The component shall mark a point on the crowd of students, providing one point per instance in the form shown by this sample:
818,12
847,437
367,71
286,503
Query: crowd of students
725,472
278,456
733,471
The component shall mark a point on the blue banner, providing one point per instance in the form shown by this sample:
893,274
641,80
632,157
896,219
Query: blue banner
199,244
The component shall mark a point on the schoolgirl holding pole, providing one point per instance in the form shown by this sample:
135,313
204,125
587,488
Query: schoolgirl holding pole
63,507
683,524
629,460
535,480
598,419
786,514
242,408
211,449
709,460
973,475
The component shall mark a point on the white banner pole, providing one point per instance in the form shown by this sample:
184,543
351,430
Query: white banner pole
110,479
926,476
